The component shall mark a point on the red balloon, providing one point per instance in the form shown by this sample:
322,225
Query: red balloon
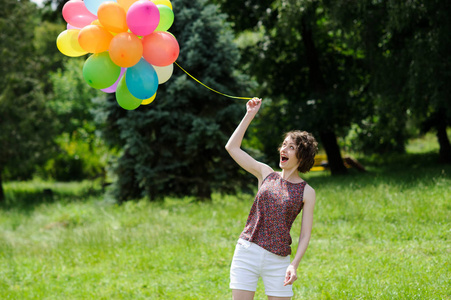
160,48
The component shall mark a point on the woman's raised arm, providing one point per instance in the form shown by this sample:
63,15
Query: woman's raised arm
233,146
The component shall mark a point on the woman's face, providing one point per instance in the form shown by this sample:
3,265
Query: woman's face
288,159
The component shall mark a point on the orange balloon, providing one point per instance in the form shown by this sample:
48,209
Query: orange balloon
126,49
125,4
94,39
112,16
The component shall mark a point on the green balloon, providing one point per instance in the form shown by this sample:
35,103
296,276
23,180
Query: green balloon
124,98
166,17
99,71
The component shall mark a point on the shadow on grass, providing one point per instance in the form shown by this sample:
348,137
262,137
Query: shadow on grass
403,169
25,196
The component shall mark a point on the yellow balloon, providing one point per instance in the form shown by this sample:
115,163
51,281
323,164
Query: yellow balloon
67,43
125,4
163,2
96,22
149,100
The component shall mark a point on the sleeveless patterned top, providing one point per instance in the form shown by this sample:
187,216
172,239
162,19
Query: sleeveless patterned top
276,206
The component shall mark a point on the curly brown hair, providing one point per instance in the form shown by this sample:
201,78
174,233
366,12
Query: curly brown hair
306,148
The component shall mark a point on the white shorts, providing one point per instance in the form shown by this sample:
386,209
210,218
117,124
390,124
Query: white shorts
251,261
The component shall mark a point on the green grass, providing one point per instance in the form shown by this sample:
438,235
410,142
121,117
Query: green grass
380,235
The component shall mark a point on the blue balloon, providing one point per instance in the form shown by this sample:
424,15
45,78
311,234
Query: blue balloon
93,5
142,80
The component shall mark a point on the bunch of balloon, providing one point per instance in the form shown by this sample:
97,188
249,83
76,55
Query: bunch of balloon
132,51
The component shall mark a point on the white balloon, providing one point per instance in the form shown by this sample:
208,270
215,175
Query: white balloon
164,73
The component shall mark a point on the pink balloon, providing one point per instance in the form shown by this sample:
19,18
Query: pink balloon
68,26
160,48
113,88
76,14
143,17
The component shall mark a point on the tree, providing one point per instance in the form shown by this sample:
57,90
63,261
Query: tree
175,146
382,129
81,152
406,46
425,27
307,68
25,120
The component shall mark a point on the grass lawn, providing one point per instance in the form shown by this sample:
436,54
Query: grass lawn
384,234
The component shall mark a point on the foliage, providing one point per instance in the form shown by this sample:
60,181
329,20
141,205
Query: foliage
175,146
48,55
82,155
43,96
81,151
71,97
310,73
379,235
244,15
26,123
52,11
426,26
406,46
380,132
355,69
372,65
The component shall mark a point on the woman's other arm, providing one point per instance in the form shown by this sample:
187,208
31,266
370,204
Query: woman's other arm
304,238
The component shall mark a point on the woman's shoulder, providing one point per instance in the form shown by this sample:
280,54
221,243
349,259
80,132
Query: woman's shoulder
309,193
267,172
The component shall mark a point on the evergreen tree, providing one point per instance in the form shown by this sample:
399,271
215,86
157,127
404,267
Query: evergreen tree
175,145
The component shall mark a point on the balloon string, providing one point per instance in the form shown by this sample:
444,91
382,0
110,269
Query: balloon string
198,81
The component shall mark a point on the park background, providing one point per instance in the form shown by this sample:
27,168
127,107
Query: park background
101,203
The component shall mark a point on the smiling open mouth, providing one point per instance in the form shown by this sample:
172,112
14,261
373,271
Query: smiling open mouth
283,158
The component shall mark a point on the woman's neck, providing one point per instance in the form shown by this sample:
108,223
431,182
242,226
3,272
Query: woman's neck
291,175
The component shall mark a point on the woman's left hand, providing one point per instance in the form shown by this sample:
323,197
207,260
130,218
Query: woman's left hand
290,275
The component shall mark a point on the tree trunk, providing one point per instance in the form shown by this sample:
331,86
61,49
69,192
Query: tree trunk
445,146
204,192
329,141
439,122
327,136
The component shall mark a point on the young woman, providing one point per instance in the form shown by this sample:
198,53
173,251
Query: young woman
263,249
